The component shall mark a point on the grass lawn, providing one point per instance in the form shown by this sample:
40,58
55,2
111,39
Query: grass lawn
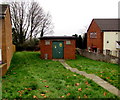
107,71
31,77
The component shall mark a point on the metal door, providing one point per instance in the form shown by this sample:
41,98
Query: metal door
58,50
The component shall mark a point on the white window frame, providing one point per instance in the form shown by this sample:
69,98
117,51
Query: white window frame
93,35
47,42
68,42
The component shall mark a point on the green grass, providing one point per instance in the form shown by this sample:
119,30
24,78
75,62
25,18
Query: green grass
31,77
107,71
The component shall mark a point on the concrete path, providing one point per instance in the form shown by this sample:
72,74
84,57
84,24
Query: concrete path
93,77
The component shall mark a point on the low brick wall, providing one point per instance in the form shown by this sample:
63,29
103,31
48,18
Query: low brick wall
3,69
98,57
14,48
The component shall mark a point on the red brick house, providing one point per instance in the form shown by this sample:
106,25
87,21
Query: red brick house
102,35
6,46
58,47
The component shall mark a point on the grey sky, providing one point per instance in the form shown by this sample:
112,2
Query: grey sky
72,16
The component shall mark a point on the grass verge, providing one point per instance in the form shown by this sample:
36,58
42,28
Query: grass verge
107,71
31,77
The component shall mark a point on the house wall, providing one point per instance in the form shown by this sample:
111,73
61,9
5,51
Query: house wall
110,43
0,40
6,42
45,49
8,32
4,58
69,50
118,36
3,68
110,37
98,42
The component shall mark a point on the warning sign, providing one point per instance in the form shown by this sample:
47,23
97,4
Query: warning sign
60,44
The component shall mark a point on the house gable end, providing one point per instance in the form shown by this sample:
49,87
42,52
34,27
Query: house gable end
94,36
93,23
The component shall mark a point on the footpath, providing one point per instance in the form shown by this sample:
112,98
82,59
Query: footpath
93,77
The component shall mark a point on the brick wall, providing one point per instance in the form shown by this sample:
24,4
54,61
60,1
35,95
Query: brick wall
69,50
0,34
98,57
7,46
45,49
4,58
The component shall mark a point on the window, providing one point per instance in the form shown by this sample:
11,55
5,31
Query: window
93,35
68,42
47,42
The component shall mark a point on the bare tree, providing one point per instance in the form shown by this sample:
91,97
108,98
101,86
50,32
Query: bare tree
84,30
29,20
19,21
36,16
47,26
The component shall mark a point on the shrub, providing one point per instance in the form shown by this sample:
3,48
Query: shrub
29,45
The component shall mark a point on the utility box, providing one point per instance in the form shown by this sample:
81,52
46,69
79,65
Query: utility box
46,56
58,47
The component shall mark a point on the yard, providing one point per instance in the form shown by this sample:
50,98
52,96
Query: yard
31,77
107,71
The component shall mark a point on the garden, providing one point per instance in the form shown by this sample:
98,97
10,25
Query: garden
107,71
31,77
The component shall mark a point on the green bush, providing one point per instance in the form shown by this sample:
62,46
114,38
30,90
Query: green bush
29,45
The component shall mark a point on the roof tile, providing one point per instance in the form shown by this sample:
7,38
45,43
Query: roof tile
108,24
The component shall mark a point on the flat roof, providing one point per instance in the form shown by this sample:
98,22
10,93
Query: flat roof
57,37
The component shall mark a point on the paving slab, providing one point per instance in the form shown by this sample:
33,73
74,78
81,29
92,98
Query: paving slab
74,69
93,77
81,72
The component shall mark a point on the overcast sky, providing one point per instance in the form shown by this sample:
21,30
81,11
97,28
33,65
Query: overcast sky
73,16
